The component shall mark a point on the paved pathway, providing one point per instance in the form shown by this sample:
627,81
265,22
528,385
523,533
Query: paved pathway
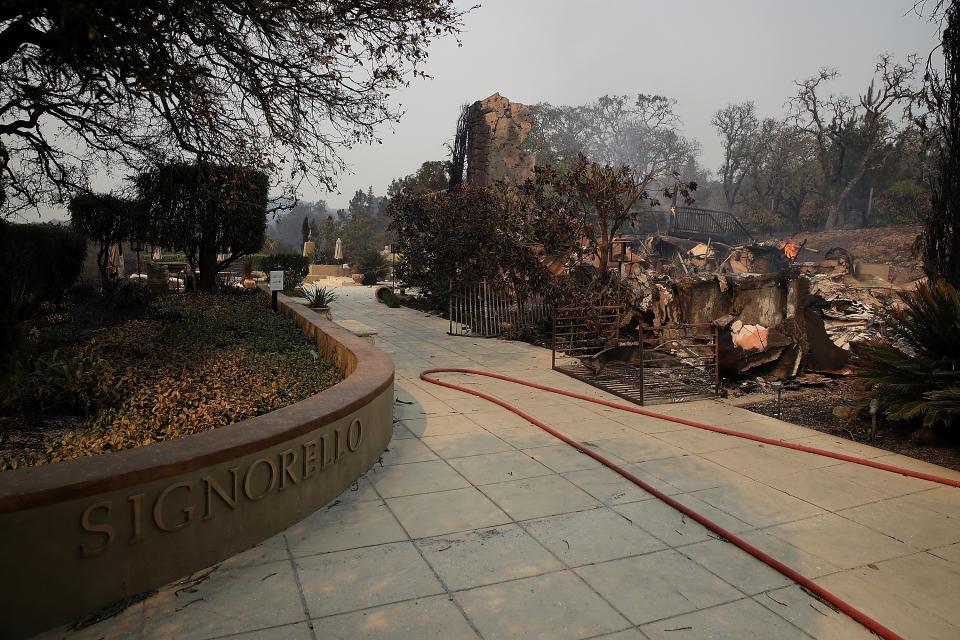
478,524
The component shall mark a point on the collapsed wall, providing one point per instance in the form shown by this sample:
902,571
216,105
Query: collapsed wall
496,129
765,325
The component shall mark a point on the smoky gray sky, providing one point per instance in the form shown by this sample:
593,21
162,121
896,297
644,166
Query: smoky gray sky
703,53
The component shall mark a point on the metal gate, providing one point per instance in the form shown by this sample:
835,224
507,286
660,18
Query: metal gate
487,311
673,364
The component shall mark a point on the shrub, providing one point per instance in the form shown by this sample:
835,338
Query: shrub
372,264
59,383
255,258
903,202
294,267
41,262
318,297
924,380
321,256
389,298
762,221
10,334
813,215
168,308
127,294
81,292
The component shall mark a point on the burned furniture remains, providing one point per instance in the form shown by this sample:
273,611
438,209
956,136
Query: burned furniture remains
643,365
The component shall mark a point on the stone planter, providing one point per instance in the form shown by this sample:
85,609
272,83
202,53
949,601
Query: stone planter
81,534
323,311
358,278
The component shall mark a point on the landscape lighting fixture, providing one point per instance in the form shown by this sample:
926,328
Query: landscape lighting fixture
778,385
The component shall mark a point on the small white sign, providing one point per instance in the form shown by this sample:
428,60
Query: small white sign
276,281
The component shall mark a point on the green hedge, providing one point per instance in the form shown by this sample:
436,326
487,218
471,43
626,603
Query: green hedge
255,259
40,263
904,202
295,267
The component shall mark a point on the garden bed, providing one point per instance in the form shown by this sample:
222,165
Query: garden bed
103,379
814,408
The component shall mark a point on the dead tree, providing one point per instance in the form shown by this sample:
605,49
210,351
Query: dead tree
832,120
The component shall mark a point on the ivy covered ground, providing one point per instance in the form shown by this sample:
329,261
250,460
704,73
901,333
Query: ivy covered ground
93,378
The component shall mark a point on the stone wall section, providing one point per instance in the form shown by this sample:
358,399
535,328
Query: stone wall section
497,129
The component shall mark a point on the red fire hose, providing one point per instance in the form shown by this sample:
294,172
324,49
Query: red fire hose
847,608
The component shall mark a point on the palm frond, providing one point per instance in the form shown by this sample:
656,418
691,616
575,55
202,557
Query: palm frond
925,382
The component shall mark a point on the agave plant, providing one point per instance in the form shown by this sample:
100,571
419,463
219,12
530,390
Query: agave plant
318,297
924,379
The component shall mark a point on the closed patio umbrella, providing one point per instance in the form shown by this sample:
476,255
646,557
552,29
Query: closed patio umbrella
338,250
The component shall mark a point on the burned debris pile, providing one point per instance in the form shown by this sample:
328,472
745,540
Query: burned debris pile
780,307
776,309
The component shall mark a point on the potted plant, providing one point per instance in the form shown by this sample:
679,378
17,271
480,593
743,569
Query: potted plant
247,269
319,299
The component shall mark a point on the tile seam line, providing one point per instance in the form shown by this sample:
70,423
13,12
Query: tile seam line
541,544
436,575
747,598
839,512
250,634
296,577
601,505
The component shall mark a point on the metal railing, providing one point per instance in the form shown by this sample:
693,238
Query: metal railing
580,332
487,311
700,224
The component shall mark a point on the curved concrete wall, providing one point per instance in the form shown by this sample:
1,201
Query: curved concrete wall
82,534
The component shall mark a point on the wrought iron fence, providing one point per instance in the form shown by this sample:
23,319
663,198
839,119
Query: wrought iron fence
666,364
487,310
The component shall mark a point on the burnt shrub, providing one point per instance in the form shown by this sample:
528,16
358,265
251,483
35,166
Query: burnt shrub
470,233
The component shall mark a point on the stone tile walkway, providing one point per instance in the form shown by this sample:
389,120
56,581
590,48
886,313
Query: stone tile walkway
478,524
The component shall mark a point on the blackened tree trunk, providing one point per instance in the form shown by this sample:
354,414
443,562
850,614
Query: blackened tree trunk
941,233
